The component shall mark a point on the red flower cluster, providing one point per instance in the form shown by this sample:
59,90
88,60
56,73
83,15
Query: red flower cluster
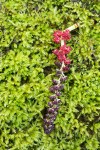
61,53
58,36
61,57
61,35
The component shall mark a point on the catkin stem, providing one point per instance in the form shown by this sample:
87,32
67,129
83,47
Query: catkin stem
76,25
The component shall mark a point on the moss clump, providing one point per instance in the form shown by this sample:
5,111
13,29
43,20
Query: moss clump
27,68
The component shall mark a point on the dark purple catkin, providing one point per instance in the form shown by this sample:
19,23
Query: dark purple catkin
56,101
49,128
56,108
59,72
50,104
62,79
50,117
52,89
56,87
58,64
53,105
55,81
58,93
61,87
52,97
50,110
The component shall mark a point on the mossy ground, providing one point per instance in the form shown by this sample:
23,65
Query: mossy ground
27,69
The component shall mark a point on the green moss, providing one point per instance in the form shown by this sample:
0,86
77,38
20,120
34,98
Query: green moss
26,71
